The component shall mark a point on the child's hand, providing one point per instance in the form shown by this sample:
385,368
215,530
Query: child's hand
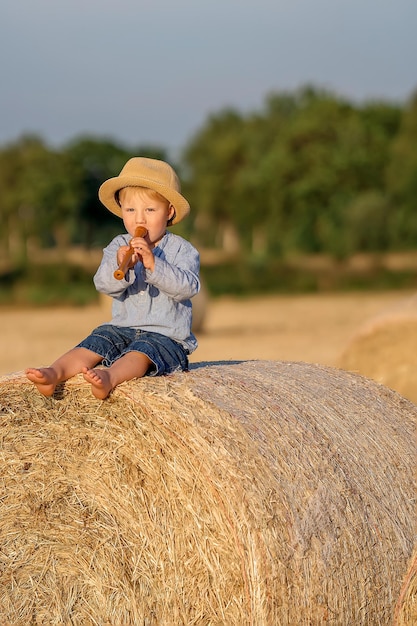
121,253
142,252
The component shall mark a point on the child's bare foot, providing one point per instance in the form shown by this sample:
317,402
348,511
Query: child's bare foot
44,378
99,380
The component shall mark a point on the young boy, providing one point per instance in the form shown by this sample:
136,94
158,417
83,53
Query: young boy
150,331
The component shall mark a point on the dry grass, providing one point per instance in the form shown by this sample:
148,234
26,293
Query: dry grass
257,493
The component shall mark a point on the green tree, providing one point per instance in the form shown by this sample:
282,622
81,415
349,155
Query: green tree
38,195
402,180
285,178
327,154
213,161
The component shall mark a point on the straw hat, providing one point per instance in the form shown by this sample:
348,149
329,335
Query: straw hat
150,173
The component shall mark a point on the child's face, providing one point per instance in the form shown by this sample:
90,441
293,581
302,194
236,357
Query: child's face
141,208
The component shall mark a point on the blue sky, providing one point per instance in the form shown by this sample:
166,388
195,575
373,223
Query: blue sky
151,72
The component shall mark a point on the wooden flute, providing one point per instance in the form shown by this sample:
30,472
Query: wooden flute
123,267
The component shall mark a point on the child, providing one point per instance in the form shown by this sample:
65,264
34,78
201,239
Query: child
150,331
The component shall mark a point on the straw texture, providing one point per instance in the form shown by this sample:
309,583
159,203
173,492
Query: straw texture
406,609
255,493
385,349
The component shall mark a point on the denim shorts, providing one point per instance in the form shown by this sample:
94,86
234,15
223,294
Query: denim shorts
112,342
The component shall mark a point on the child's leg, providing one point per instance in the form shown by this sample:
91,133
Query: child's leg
103,381
66,366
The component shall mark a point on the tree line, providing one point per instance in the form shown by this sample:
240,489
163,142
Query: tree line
310,172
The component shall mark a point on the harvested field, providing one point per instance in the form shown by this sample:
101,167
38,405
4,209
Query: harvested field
250,493
311,328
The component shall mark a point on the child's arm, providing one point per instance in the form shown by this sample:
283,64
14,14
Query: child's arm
179,277
104,279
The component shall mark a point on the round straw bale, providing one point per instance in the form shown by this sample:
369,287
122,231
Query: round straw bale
385,349
250,493
406,608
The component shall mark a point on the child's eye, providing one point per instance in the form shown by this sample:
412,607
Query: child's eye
150,209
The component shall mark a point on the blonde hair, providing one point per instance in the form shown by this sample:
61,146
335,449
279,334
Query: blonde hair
143,191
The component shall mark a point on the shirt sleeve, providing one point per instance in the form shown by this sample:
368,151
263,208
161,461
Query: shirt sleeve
177,277
104,279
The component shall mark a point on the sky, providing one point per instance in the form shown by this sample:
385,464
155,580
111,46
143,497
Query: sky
151,72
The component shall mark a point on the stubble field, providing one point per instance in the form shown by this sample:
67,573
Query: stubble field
310,328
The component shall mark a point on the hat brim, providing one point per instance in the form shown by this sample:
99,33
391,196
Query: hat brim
108,190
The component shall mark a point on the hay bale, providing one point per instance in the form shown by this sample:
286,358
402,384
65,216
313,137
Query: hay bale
406,608
249,493
385,349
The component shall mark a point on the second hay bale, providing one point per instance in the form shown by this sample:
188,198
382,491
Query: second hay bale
385,349
257,493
